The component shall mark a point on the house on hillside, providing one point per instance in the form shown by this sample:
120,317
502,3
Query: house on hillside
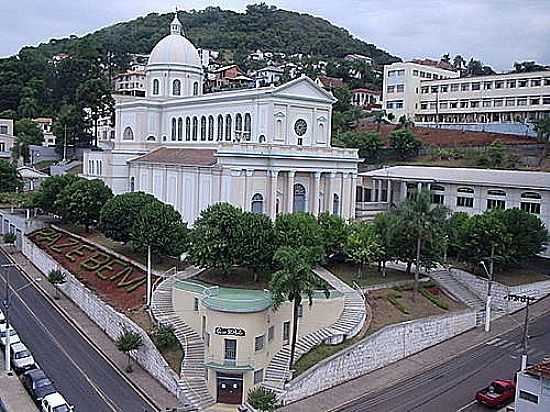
46,124
358,58
7,139
229,77
267,76
330,83
366,99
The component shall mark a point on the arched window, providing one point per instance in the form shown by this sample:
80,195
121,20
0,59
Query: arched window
262,139
335,204
196,89
195,128
437,188
203,128
128,134
176,87
220,128
465,190
257,205
530,195
210,128
279,129
238,127
321,131
496,192
247,127
173,132
156,87
188,128
228,126
132,184
180,129
299,198
151,138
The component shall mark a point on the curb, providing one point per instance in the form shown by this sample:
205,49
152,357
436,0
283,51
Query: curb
82,333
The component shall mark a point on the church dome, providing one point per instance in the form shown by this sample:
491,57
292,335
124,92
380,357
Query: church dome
175,49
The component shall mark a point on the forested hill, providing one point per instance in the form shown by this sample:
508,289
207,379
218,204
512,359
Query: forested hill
260,27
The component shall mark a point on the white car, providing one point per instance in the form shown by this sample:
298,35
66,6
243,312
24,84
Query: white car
14,337
21,357
2,319
55,402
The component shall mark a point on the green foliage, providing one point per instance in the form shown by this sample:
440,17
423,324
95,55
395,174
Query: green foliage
72,123
456,232
483,233
405,143
160,227
9,238
81,201
127,342
363,245
542,128
165,338
334,230
394,300
386,226
262,399
119,214
95,95
46,196
215,236
56,277
495,156
257,243
345,121
368,143
10,181
434,299
27,133
300,230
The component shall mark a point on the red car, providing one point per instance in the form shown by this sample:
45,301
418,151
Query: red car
498,393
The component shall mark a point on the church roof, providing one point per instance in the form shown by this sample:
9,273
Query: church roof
179,156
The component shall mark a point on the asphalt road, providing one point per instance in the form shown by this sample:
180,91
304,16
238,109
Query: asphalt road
452,386
79,372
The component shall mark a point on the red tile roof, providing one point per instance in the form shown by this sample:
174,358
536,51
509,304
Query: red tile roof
364,90
540,369
335,82
182,157
434,63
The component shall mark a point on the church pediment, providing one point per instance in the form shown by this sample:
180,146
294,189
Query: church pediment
304,87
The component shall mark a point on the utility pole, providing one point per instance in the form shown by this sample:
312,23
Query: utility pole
149,280
489,289
527,300
65,144
7,349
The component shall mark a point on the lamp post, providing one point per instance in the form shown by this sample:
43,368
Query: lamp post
149,280
489,289
527,300
7,348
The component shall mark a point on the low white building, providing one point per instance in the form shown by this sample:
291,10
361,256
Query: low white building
46,124
130,83
267,76
366,98
359,58
7,138
533,389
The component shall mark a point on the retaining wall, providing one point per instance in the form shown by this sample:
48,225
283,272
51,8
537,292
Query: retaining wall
386,346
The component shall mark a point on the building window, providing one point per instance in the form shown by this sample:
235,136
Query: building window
465,87
176,87
438,199
210,128
286,332
149,139
220,128
195,128
498,103
173,131
3,129
522,83
299,198
258,376
528,397
247,127
238,127
156,86
257,205
474,104
390,89
476,86
188,129
444,88
487,103
230,352
415,73
465,201
454,87
511,84
132,184
496,192
259,343
488,85
195,89
531,195
180,129
128,134
270,333
496,204
196,304
203,128
228,127
530,207
534,101
434,89
335,204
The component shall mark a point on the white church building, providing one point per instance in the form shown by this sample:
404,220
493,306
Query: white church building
265,150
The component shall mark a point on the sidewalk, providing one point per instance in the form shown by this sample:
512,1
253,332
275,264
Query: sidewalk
409,367
13,396
150,386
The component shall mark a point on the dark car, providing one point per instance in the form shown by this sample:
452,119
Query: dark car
37,384
499,393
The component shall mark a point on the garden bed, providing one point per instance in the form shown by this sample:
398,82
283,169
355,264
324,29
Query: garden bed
349,273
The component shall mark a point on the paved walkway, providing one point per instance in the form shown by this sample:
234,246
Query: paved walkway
150,386
409,367
13,396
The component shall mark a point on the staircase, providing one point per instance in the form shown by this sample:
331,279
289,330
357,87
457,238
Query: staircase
349,324
458,289
192,382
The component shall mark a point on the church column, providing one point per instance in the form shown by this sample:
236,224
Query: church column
330,195
345,198
246,199
403,191
290,191
273,194
316,191
353,196
389,193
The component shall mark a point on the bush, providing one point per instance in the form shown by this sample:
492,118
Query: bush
9,238
434,299
393,299
164,337
262,399
405,143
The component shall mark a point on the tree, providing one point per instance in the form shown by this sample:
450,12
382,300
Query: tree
405,143
257,243
165,337
119,214
542,127
72,123
293,280
81,202
363,245
45,197
386,228
527,67
128,342
369,144
446,58
296,230
334,230
405,122
10,181
160,227
455,232
94,95
262,399
343,94
56,277
379,119
424,220
459,62
27,133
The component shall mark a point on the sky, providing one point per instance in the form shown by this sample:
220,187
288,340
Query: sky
498,32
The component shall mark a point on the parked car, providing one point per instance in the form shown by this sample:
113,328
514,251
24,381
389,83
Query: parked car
55,402
14,337
21,357
37,384
498,393
2,319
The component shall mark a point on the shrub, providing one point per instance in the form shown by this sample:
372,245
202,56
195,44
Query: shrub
10,238
434,299
405,143
56,278
164,337
262,399
393,299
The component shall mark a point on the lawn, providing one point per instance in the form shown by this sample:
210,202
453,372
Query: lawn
349,273
385,313
238,277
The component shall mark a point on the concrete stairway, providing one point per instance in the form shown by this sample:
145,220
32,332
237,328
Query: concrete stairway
192,383
349,324
458,289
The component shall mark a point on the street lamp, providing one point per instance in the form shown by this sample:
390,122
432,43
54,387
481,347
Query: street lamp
527,300
489,297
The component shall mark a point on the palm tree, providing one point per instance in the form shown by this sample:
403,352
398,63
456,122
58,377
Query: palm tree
56,278
423,219
127,342
543,136
292,281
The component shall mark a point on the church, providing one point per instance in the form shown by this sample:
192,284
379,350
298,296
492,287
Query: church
265,150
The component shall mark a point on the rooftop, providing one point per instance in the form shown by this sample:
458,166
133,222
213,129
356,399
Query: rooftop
460,175
540,369
177,156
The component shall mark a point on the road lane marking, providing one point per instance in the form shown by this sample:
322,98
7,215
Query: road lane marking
467,406
492,341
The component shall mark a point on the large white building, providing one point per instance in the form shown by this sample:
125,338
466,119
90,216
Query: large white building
7,139
266,150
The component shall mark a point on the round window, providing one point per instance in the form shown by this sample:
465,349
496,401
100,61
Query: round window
300,127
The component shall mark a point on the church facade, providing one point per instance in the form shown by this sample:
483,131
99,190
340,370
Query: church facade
265,150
